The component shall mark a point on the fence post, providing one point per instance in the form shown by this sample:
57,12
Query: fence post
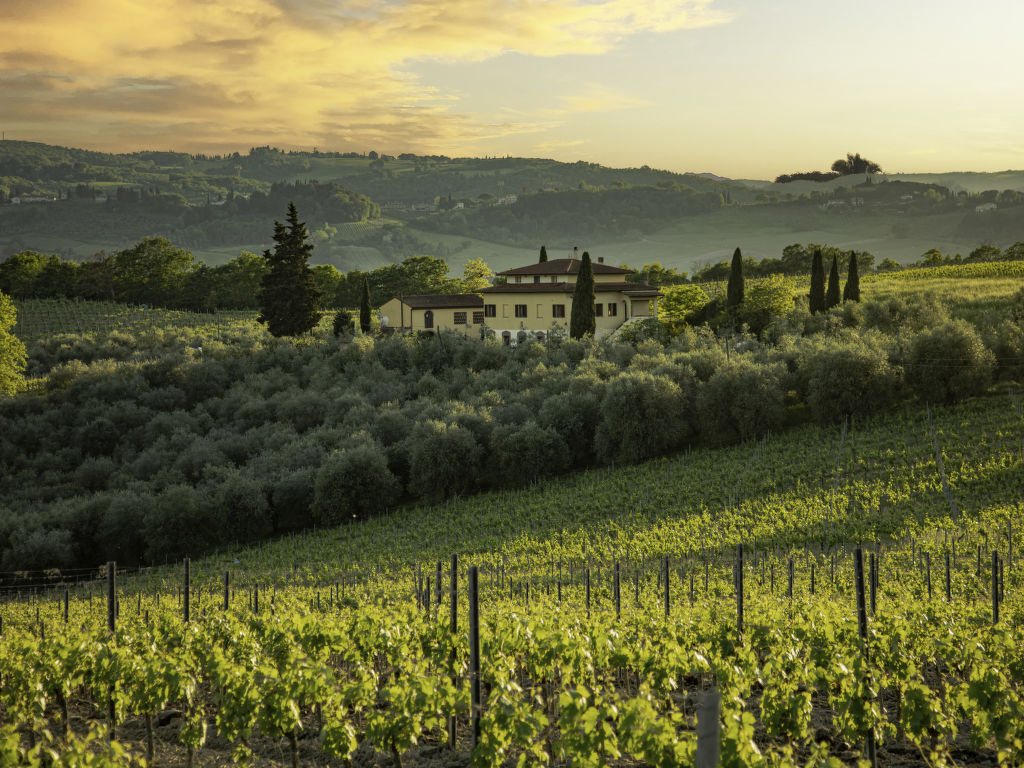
708,729
188,589
739,590
995,587
454,626
862,627
667,580
227,589
474,656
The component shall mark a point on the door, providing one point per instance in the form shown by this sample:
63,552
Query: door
428,319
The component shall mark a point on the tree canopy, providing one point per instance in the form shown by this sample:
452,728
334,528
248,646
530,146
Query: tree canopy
582,320
854,163
12,351
288,297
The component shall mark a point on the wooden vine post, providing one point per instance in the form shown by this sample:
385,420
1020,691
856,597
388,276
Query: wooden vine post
739,590
474,656
453,598
188,590
862,627
111,627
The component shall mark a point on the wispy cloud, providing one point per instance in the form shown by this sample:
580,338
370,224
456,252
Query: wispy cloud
200,75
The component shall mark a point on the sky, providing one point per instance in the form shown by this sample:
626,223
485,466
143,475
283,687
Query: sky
741,88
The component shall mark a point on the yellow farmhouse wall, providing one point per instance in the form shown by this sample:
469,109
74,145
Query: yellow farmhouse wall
400,315
540,310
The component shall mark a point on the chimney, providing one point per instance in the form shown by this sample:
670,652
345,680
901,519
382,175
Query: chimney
600,259
575,252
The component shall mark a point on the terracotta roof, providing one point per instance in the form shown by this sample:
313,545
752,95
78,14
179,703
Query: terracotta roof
564,267
630,289
530,288
442,300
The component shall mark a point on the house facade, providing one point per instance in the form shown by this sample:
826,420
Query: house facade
530,301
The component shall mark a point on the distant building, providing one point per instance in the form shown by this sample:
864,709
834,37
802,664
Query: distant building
532,299
507,200
985,207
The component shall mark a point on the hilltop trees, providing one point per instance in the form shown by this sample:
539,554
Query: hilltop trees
582,320
289,297
832,294
817,302
855,164
851,291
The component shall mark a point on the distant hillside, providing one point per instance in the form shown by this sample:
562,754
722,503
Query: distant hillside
77,202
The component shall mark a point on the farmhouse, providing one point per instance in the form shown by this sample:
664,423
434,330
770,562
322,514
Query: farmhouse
532,300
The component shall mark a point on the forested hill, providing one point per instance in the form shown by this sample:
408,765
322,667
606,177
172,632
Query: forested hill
368,210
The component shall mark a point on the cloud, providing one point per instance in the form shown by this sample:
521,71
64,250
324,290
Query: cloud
594,97
200,75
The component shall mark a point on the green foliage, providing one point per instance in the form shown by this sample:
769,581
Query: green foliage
642,415
677,303
353,483
851,291
582,321
543,254
734,291
152,272
767,300
817,296
343,322
364,308
949,363
740,401
847,376
832,292
12,350
288,295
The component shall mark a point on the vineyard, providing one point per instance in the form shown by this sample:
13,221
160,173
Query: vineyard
819,597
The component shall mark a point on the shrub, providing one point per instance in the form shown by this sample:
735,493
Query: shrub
740,401
846,377
353,483
444,460
239,498
641,416
949,363
766,301
521,454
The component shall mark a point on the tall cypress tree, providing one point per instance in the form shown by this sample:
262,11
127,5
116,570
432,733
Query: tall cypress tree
288,297
832,294
582,320
364,308
851,291
734,292
543,254
817,303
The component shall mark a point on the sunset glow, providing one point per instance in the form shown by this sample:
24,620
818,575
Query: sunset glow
736,87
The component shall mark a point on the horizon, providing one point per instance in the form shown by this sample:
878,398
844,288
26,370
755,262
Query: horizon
365,152
730,87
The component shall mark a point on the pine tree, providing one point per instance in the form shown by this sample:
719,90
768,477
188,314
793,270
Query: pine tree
582,320
288,295
832,294
734,292
851,291
364,308
543,254
817,303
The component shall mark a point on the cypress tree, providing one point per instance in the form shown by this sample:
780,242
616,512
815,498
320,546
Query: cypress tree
543,254
582,320
734,292
364,308
817,303
851,291
288,294
832,294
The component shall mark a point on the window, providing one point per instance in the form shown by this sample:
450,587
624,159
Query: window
490,310
428,319
598,310
558,310
460,318
478,318
613,309
536,278
520,310
505,310
519,278
540,311
554,278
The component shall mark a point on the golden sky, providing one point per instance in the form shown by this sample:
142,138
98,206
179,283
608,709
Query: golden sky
745,88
